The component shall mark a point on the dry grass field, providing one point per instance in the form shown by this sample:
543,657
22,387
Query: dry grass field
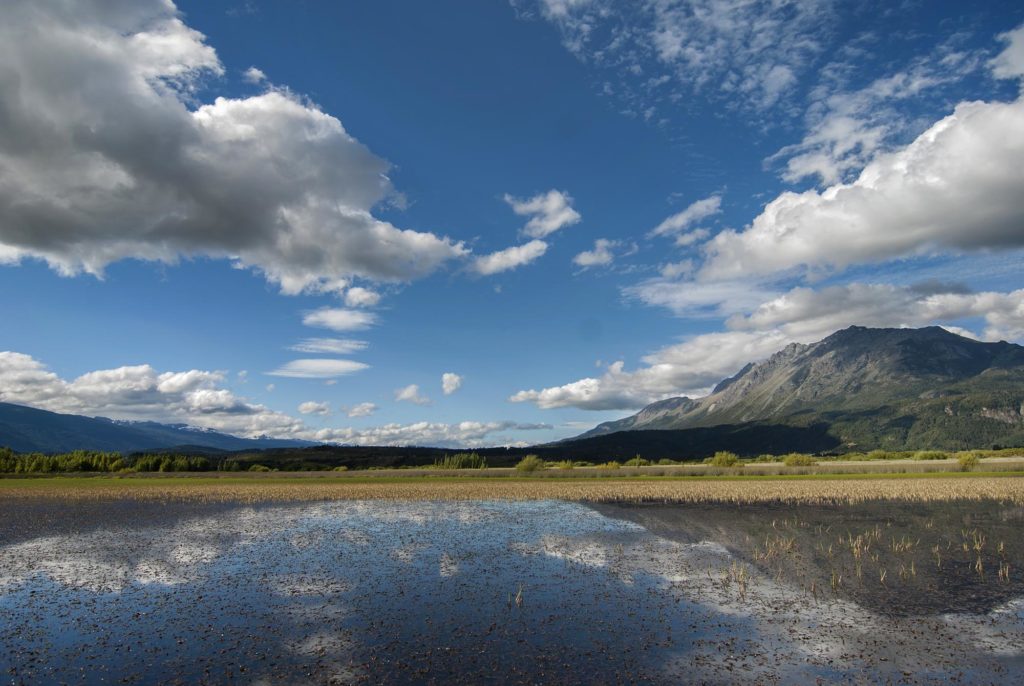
817,489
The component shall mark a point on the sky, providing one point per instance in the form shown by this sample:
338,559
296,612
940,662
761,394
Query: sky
464,223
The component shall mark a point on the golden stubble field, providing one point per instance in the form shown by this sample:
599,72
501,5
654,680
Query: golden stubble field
735,491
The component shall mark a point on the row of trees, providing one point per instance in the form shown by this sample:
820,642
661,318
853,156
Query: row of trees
97,461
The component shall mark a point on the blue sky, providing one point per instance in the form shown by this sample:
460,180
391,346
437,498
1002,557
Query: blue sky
277,218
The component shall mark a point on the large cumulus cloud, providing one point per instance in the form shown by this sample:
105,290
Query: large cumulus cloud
956,187
105,155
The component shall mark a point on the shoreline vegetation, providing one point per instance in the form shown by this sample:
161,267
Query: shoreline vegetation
721,478
472,463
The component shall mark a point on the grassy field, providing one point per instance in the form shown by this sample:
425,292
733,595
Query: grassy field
734,488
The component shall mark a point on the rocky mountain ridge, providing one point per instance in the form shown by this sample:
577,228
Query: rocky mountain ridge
872,385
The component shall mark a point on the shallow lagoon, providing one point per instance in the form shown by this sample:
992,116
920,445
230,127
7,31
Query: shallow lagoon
506,592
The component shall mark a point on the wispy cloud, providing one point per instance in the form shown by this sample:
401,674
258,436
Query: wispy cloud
411,394
319,368
333,346
509,258
339,319
746,55
697,211
848,127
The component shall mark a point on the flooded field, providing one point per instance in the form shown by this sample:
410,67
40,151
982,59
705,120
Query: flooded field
382,591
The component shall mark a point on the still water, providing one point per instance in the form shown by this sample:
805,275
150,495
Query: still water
503,592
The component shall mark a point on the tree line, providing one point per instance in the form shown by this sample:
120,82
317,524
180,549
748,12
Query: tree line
98,461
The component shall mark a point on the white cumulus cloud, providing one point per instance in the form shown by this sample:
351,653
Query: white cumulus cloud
1009,64
139,392
600,256
254,75
805,312
450,382
956,187
105,156
361,410
689,368
460,434
361,297
548,212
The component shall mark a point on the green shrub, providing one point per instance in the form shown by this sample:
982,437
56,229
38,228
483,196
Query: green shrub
259,468
799,460
609,465
888,455
563,464
638,462
666,462
530,463
341,468
723,458
968,461
931,455
765,458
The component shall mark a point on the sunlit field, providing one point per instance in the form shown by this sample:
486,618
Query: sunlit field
807,489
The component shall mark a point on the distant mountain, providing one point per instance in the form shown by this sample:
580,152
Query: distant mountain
872,388
26,429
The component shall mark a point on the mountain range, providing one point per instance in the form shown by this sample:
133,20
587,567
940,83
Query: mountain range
26,429
856,390
873,388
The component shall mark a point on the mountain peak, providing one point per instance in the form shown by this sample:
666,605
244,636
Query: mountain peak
862,375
